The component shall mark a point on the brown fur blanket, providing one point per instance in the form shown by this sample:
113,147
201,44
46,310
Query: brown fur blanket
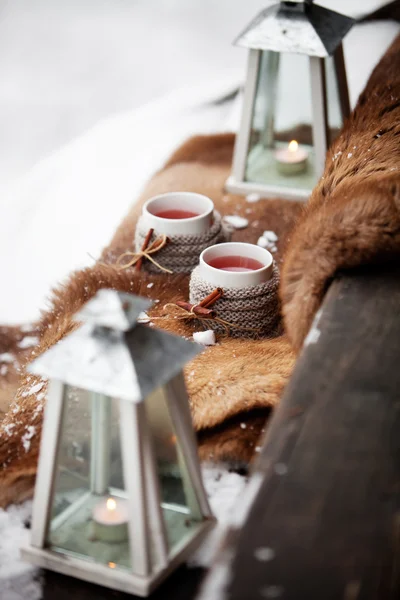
231,385
353,215
352,218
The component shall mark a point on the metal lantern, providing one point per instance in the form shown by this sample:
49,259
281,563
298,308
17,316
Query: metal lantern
119,498
295,99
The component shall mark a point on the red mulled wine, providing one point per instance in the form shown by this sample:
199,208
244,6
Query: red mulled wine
235,263
176,214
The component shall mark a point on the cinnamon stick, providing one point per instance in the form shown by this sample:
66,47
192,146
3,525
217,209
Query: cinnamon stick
158,243
211,298
197,310
144,247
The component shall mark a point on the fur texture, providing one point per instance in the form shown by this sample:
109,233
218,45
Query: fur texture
230,385
352,217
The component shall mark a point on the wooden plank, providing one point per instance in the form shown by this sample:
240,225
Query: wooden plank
328,510
182,585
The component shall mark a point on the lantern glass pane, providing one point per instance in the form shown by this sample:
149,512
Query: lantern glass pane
89,475
282,113
179,503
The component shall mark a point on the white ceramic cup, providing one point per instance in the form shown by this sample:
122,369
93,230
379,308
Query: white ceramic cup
235,279
189,201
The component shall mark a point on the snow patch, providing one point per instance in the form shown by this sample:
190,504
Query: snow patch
33,390
7,357
262,242
216,584
264,554
26,438
314,333
336,156
223,490
235,221
143,318
206,338
18,579
268,241
150,285
7,428
312,337
28,341
241,510
280,469
270,236
254,197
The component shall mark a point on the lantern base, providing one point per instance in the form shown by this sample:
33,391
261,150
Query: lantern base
243,188
111,577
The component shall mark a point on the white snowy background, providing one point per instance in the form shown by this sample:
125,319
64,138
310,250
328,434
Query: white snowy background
93,98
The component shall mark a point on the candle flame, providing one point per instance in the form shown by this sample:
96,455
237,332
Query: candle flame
293,146
111,504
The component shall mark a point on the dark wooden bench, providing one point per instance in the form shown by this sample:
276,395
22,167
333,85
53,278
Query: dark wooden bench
329,504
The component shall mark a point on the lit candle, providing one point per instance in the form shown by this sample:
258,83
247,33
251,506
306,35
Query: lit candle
291,160
110,519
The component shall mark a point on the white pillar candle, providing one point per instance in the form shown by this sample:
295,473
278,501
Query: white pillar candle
291,160
110,519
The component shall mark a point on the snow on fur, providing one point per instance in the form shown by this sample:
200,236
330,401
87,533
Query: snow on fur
206,338
18,579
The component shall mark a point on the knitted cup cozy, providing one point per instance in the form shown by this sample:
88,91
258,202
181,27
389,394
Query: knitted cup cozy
255,310
181,254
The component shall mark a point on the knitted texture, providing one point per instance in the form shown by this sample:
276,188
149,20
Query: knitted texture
254,310
181,254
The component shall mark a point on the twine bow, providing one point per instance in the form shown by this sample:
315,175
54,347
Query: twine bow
136,258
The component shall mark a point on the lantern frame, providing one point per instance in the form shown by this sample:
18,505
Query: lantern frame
281,28
150,559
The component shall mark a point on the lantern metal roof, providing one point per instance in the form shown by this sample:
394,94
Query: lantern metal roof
298,26
113,309
113,355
